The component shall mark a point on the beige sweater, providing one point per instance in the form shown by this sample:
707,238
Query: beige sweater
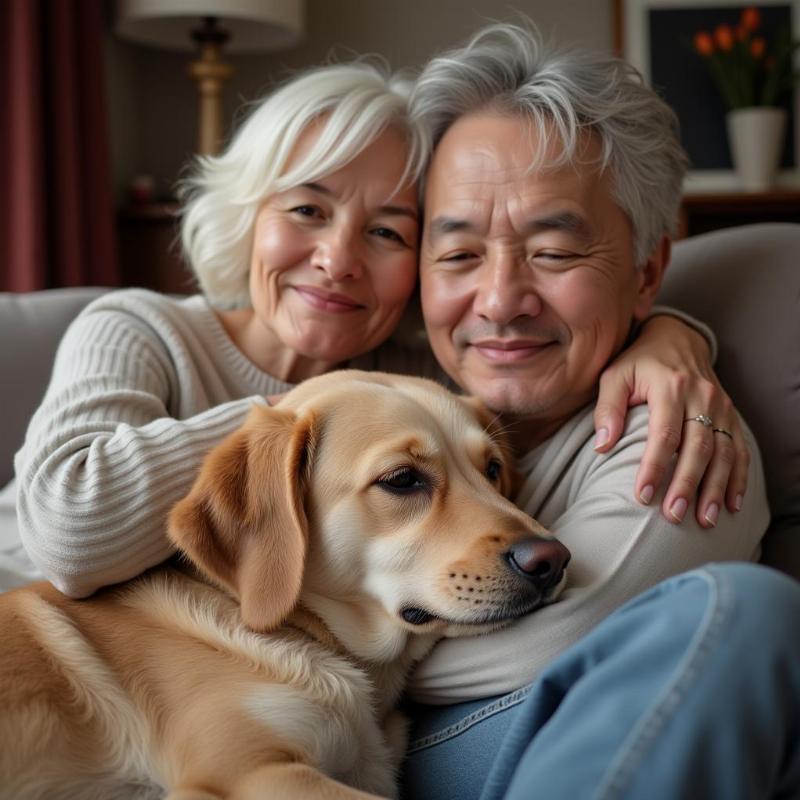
144,385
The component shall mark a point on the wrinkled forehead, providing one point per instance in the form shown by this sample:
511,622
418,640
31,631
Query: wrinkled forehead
490,170
489,154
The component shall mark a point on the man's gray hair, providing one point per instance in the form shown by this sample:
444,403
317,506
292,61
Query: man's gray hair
509,69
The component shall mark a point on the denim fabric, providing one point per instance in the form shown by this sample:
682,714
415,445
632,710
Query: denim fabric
690,690
453,747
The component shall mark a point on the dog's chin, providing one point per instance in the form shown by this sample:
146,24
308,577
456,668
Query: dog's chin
449,624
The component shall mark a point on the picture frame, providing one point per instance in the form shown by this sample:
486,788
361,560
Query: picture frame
655,36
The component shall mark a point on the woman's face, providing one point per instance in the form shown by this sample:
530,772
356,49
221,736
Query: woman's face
334,261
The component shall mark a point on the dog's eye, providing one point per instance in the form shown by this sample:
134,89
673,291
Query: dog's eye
493,470
403,481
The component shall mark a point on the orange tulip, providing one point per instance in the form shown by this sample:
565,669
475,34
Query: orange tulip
703,43
751,18
741,32
723,36
757,47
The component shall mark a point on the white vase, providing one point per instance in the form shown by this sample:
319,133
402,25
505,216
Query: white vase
755,136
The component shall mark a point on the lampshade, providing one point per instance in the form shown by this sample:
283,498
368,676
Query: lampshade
253,25
205,26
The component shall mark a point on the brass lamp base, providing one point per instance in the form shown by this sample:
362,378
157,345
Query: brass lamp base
210,72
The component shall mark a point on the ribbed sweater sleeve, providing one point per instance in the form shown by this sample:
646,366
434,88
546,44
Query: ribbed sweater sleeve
693,323
142,387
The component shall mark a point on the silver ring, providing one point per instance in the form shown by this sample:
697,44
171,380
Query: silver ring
703,420
722,430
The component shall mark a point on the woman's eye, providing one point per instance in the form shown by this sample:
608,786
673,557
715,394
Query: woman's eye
403,481
306,211
493,470
388,233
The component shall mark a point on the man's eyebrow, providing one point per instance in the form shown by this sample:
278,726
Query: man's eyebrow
389,209
441,226
566,221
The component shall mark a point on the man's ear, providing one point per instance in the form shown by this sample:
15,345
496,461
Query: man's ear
243,522
649,277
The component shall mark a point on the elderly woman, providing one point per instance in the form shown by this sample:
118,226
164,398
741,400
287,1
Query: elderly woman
303,235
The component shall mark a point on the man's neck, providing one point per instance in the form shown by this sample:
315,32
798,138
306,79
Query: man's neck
525,433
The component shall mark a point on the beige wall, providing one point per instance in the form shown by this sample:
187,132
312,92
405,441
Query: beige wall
152,101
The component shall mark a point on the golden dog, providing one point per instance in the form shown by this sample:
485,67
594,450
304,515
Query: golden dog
327,544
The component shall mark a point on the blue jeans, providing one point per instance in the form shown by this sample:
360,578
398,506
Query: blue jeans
690,690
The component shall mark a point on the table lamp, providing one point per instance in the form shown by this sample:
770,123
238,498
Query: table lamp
204,26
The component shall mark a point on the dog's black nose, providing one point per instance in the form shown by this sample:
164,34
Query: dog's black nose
539,560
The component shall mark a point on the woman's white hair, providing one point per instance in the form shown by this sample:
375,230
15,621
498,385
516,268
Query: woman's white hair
509,69
354,103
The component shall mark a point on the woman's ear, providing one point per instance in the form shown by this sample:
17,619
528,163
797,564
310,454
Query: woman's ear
649,277
243,522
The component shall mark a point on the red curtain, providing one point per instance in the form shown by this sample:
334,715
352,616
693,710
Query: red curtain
56,200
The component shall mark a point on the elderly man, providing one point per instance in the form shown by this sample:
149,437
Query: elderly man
553,188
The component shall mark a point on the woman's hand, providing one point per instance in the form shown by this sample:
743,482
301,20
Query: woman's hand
669,368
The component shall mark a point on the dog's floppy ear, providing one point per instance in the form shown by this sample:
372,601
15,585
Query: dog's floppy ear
510,478
243,521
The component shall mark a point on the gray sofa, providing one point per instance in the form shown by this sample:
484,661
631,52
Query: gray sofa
744,282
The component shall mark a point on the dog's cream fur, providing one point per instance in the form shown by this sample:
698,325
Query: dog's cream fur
267,663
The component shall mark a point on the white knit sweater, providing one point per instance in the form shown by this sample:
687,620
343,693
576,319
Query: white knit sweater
143,386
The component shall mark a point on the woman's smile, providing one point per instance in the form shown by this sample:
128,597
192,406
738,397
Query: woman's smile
332,302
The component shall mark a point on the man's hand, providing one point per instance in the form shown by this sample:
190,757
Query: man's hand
669,368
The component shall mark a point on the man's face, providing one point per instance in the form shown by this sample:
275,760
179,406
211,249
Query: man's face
528,280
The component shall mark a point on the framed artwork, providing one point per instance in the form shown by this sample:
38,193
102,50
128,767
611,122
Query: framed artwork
657,37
